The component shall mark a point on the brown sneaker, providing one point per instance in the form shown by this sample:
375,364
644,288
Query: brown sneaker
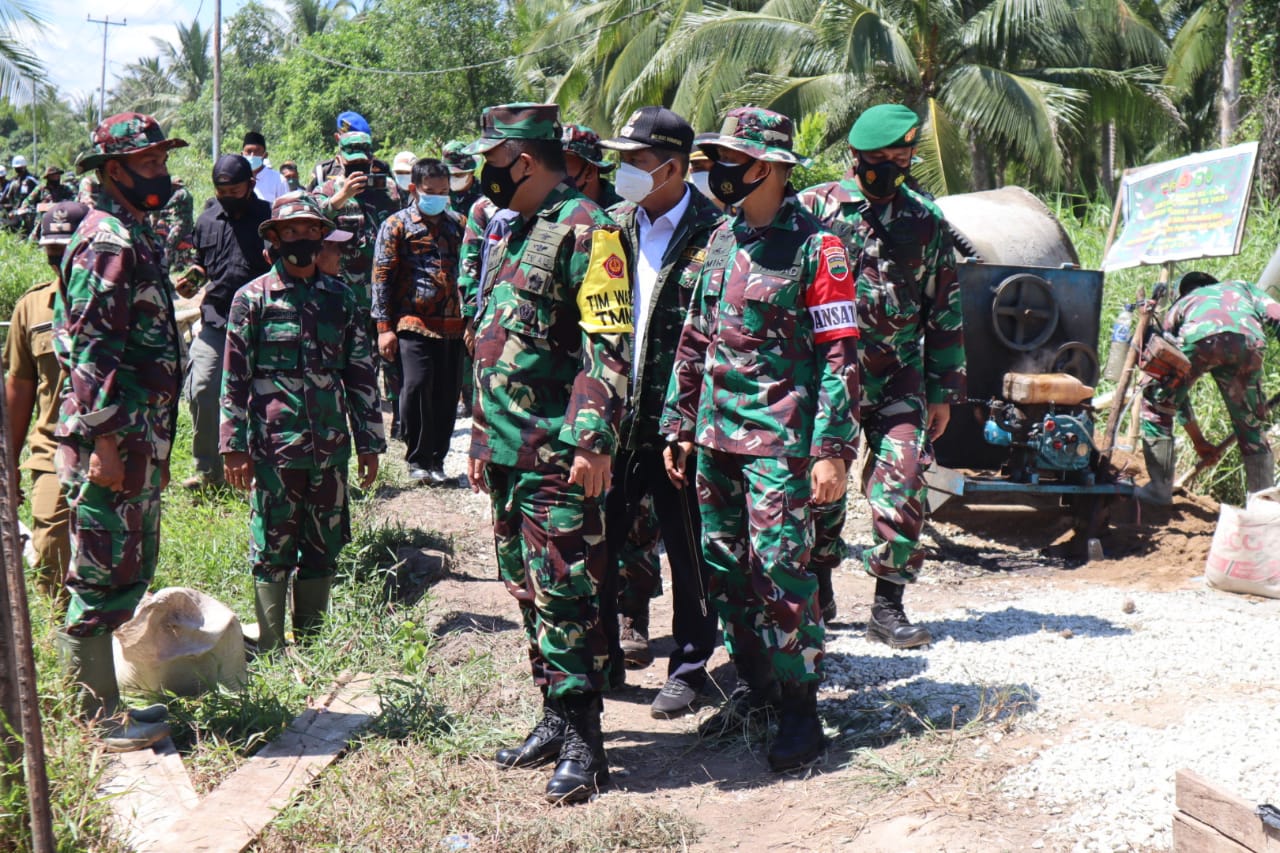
200,483
633,635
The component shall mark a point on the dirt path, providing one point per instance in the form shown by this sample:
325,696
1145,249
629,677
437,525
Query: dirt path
939,792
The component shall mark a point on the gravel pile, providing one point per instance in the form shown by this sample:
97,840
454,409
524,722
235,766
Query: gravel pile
1127,687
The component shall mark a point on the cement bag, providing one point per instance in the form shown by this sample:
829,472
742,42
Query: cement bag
180,641
1245,554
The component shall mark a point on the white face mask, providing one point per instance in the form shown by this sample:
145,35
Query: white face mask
459,183
702,180
635,184
402,181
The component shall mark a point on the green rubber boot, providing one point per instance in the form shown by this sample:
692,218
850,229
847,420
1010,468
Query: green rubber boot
269,605
310,604
1259,471
1158,454
89,663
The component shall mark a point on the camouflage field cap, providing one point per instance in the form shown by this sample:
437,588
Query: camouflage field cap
121,135
885,126
355,144
456,158
299,206
515,121
756,132
582,141
60,221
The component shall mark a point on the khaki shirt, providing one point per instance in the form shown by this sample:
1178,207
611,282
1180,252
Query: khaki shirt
28,355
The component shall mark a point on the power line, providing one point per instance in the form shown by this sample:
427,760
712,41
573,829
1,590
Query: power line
478,65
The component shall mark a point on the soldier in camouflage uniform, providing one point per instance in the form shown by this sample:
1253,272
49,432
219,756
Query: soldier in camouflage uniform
765,383
584,158
355,206
174,226
117,341
667,225
552,320
912,355
1221,328
51,192
298,383
463,190
464,196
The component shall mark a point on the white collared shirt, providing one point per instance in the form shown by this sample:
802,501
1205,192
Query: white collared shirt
654,239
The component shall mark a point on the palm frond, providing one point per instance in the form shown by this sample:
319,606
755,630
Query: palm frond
942,152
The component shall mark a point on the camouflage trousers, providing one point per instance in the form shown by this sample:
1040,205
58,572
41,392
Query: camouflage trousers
639,568
893,483
297,517
550,545
1235,362
115,539
756,536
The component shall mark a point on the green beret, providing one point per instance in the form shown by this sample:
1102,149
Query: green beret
885,126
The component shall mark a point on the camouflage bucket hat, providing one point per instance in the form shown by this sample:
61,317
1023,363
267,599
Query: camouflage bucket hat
297,206
456,158
50,171
121,135
582,141
515,121
758,133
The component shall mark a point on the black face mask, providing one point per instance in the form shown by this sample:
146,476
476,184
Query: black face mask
146,193
727,182
300,253
234,205
497,185
882,179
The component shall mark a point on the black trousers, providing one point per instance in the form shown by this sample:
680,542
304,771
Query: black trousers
693,621
428,396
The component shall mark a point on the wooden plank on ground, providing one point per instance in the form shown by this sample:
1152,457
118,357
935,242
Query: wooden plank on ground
1225,812
1192,836
235,813
149,791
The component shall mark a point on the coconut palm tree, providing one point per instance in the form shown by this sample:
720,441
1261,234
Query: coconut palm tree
18,65
148,86
309,17
188,60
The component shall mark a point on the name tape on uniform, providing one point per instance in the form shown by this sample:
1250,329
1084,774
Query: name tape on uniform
830,298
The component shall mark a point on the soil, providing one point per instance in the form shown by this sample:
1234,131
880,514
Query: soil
729,792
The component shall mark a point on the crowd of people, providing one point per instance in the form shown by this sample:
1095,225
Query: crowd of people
671,350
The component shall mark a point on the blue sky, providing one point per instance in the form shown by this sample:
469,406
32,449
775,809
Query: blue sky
71,48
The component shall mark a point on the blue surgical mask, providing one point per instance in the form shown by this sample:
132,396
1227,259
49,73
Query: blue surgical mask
430,205
255,162
402,181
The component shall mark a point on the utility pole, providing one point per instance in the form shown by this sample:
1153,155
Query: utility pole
34,158
102,92
217,79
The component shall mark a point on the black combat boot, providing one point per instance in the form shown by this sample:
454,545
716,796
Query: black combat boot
889,624
583,768
800,739
750,704
826,593
542,744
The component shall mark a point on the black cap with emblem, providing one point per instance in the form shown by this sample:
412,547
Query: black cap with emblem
59,222
653,127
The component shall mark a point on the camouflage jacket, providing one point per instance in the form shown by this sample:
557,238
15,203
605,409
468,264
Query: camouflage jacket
551,354
472,254
89,188
767,363
1230,306
116,339
44,194
174,226
362,216
415,274
912,334
654,356
298,379
461,203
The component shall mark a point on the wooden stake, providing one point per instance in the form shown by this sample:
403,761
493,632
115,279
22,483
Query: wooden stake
19,698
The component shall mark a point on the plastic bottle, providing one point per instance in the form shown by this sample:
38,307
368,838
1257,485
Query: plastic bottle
1121,333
